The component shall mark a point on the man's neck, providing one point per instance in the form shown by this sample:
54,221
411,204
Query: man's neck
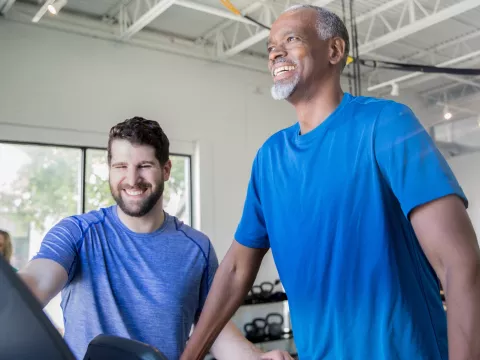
145,224
314,109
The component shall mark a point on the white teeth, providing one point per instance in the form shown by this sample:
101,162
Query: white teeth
134,192
282,69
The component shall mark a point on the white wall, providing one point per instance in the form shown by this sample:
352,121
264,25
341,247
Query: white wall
62,88
58,87
467,171
52,80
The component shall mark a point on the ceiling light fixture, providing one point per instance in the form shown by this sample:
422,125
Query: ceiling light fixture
394,89
447,115
56,6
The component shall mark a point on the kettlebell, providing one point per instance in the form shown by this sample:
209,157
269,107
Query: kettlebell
275,326
262,292
255,330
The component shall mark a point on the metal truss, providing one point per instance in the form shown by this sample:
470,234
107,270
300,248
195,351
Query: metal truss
136,14
458,49
231,38
451,148
454,93
418,18
448,134
108,30
5,5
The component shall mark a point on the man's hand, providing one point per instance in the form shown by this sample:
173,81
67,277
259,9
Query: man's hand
276,355
232,345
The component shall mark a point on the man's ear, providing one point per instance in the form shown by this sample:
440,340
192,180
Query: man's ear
337,50
167,168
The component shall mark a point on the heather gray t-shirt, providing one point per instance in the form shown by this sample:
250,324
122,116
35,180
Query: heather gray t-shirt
147,287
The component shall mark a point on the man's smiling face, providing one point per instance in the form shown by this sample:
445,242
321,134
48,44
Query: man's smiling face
297,55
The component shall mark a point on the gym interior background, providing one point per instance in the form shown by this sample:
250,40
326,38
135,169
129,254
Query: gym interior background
71,69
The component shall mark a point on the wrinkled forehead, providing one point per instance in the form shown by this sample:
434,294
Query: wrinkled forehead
300,22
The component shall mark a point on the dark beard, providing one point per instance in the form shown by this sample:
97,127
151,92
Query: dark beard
145,206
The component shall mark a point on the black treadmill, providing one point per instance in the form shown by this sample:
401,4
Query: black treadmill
26,332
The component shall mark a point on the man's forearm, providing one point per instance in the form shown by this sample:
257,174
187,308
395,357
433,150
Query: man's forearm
462,289
226,295
232,345
33,286
44,278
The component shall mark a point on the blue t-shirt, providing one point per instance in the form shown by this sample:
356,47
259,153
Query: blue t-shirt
147,287
333,205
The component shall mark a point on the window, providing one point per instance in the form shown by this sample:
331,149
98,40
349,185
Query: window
42,184
39,185
97,190
177,197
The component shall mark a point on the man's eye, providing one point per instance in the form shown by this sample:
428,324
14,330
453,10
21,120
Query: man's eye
291,38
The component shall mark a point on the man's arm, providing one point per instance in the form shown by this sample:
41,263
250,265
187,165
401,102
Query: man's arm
48,272
233,280
237,272
232,345
45,279
432,199
448,239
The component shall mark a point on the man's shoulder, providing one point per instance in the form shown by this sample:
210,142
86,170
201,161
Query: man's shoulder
372,106
280,135
190,233
278,138
83,221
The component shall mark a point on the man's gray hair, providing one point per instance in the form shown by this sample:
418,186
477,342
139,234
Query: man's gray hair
328,24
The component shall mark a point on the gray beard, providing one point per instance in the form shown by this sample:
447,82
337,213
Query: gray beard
282,90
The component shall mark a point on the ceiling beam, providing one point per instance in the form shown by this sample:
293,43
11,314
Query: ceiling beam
414,26
127,31
261,35
455,107
462,80
245,11
425,77
245,44
450,62
6,5
36,18
213,11
453,42
379,9
154,41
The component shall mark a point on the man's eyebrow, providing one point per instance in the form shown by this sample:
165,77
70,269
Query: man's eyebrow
117,163
147,162
282,34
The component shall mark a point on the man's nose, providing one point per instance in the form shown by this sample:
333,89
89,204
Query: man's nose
132,176
277,52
